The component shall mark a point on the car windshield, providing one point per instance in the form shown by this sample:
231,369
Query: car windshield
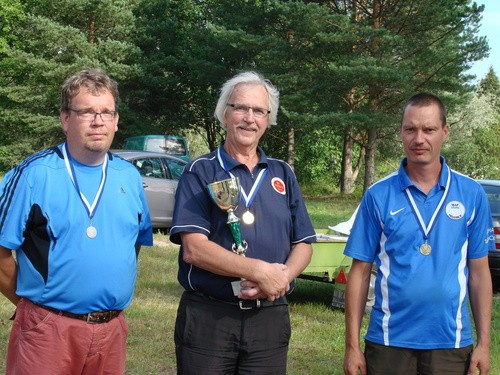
171,146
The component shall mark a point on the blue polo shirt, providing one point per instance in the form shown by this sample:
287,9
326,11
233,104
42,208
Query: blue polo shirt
43,219
281,218
421,301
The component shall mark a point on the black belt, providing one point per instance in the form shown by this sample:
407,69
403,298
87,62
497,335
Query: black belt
96,317
248,304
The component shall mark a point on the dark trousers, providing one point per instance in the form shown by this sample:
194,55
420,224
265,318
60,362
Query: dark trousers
390,360
215,337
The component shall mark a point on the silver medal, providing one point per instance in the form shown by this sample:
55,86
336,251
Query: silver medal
91,231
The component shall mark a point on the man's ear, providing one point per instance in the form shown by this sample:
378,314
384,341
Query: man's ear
64,117
446,131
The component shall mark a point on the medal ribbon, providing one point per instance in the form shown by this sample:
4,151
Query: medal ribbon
68,161
255,187
426,229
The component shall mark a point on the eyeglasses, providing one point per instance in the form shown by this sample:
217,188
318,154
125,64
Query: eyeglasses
86,115
244,109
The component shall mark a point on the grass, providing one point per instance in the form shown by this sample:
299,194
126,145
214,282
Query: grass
317,342
331,210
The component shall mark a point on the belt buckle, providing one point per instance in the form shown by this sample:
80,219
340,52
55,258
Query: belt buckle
90,319
257,304
98,317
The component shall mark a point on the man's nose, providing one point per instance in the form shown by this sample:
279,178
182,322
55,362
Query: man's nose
249,116
419,136
97,120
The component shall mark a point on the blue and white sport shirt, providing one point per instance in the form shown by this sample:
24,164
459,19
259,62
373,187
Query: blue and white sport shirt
43,218
421,301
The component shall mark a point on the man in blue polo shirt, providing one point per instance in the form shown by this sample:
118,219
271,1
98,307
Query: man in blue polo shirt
428,229
76,217
233,316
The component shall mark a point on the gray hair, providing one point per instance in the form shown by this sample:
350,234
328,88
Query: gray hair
247,78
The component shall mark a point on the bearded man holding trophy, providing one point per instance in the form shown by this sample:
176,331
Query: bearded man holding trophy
245,235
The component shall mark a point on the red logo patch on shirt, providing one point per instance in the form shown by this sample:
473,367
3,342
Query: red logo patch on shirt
278,185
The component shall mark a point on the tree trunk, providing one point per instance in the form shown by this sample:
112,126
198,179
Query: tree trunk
349,170
211,127
371,149
291,146
347,177
374,93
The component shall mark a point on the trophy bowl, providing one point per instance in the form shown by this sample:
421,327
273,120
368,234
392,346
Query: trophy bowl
226,193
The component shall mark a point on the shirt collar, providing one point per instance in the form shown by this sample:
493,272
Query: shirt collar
231,163
405,181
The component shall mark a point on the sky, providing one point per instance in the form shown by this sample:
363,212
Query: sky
490,27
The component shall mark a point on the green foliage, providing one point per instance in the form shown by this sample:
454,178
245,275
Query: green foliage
53,40
490,86
318,157
473,143
341,71
11,12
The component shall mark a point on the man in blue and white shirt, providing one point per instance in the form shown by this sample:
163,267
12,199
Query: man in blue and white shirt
75,216
428,229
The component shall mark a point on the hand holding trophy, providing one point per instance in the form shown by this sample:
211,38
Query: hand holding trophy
226,194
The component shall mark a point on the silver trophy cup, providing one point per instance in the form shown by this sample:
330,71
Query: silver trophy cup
226,194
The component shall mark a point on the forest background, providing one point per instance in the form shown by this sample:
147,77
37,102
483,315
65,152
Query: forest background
344,69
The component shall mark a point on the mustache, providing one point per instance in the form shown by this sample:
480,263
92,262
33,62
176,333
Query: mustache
246,126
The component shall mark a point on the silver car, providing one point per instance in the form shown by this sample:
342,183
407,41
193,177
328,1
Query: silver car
160,174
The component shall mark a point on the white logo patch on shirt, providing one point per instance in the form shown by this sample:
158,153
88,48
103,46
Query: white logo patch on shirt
455,210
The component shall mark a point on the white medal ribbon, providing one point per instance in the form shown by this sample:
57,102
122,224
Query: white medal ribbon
69,167
426,229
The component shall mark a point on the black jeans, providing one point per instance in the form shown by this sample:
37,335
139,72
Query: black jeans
214,337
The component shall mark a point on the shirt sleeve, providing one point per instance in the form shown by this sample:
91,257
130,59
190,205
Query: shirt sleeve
145,236
303,230
15,204
364,239
192,207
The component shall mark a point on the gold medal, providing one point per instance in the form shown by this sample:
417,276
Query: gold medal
425,249
248,217
91,231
